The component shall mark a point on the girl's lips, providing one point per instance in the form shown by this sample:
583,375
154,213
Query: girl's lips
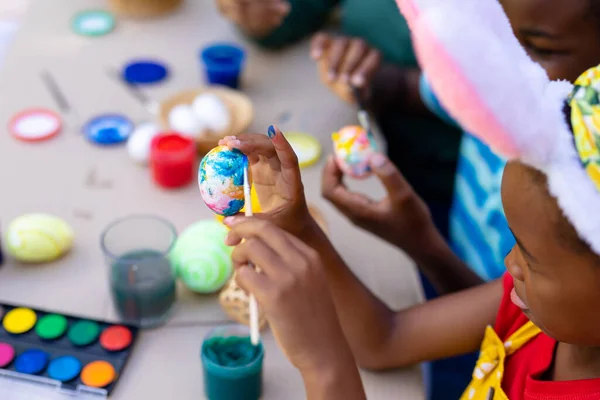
514,297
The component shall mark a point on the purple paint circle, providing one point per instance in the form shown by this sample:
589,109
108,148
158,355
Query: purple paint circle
7,354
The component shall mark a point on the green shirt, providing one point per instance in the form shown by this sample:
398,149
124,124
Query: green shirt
424,148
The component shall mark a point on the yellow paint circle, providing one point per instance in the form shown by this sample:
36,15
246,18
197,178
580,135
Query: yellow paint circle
19,320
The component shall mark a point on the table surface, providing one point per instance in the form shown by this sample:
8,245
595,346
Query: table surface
90,186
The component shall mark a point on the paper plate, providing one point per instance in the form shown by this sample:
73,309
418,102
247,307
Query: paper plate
108,129
306,147
35,125
93,23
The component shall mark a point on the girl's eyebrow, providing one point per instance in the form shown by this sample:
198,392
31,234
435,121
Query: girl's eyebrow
523,249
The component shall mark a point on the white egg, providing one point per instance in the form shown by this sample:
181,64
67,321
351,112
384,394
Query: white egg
138,145
183,119
209,109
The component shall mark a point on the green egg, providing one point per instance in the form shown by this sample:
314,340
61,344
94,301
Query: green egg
200,257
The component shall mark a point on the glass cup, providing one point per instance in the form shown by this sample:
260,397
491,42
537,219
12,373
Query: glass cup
142,283
223,64
232,364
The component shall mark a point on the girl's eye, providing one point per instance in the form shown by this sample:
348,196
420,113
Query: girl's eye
541,51
544,52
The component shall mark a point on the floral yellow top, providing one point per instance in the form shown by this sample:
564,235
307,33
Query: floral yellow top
585,119
486,383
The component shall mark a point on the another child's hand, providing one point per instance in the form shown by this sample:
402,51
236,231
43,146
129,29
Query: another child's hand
256,17
276,178
291,289
401,218
344,62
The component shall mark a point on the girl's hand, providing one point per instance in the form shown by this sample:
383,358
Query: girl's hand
401,218
293,292
276,178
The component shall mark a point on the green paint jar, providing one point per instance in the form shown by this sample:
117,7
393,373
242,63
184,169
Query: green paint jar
232,364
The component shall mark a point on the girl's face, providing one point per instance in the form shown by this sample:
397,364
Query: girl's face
556,278
563,36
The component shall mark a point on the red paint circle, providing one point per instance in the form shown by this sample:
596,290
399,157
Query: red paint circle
116,338
12,124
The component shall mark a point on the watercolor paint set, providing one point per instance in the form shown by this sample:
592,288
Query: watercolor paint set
47,352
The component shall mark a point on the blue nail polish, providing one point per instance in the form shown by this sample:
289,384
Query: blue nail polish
271,132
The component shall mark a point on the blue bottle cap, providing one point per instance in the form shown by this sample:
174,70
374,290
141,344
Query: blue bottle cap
108,129
144,72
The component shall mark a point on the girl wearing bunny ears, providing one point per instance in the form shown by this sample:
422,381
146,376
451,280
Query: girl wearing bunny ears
537,328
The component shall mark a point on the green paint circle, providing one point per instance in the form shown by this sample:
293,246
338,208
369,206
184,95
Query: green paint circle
51,326
84,333
93,23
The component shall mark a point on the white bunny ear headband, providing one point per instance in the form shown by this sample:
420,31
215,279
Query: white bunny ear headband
486,81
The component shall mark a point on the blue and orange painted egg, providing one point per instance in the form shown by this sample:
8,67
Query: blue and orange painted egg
221,180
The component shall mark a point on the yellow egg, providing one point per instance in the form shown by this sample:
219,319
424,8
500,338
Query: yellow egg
38,238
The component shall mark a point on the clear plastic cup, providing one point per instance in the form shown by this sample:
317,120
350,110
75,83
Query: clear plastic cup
223,64
232,364
142,283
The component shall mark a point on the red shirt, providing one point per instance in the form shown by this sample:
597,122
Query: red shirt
524,368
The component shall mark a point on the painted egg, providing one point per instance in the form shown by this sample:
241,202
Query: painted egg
200,258
353,151
254,202
38,238
221,180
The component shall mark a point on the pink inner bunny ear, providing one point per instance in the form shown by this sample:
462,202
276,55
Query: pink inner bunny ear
409,10
458,94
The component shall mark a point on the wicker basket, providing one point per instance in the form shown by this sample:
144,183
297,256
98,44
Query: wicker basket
239,105
144,8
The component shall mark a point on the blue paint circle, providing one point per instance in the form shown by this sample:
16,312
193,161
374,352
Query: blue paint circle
64,369
144,72
108,129
31,361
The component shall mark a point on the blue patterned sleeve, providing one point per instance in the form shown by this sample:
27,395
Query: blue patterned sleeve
432,103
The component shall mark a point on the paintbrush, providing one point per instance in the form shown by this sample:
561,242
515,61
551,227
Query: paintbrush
363,117
57,94
254,322
150,105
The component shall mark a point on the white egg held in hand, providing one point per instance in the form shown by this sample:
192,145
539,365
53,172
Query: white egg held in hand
183,120
138,145
212,112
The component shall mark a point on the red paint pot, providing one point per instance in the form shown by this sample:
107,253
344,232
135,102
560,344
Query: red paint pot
172,160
